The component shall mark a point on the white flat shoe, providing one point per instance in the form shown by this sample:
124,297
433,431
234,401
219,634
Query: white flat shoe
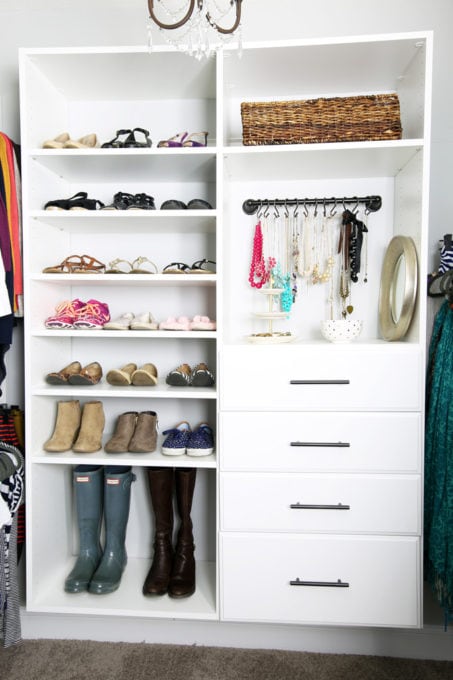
86,142
121,323
56,143
144,322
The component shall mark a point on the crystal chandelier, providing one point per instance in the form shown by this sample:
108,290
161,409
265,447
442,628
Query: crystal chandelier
197,27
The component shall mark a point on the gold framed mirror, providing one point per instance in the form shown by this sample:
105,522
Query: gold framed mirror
398,291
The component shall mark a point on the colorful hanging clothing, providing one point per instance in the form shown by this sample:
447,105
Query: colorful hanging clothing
438,515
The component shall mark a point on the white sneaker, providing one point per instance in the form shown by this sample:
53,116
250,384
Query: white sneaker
144,322
121,323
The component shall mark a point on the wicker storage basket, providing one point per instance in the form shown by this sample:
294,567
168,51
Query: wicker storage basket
314,121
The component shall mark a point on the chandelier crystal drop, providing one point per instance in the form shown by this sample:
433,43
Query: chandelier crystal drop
196,27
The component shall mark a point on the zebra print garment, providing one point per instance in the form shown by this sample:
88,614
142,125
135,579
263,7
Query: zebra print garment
11,494
446,259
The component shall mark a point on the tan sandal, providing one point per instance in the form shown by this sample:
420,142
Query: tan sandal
114,267
66,267
89,265
86,142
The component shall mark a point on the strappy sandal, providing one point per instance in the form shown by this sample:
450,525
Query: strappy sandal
175,141
196,139
89,265
121,201
79,201
116,142
131,141
114,267
142,202
199,268
176,268
65,203
66,267
137,267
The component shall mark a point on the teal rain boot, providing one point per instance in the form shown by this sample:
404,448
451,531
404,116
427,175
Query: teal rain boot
117,496
88,488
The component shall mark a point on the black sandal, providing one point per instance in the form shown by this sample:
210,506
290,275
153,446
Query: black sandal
176,268
121,201
79,201
116,143
173,204
198,268
131,142
142,202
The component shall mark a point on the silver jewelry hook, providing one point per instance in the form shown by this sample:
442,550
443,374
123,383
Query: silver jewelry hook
306,213
333,210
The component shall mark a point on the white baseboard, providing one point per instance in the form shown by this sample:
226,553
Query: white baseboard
431,642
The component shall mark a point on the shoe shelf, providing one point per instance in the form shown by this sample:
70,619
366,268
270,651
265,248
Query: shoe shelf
151,280
103,390
145,165
129,335
127,601
116,221
141,460
84,91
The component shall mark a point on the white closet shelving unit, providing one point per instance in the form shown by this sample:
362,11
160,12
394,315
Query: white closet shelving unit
250,543
101,91
321,484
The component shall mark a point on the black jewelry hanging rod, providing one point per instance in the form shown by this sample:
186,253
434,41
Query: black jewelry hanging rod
372,203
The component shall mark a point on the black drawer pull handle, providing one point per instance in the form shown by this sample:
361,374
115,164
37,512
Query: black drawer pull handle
319,382
339,445
322,584
310,506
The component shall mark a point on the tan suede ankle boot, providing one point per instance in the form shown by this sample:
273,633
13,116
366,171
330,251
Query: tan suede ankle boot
144,439
125,426
91,428
66,427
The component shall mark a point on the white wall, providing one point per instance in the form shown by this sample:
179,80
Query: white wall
36,23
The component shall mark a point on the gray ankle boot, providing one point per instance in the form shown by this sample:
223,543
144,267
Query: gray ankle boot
88,481
117,496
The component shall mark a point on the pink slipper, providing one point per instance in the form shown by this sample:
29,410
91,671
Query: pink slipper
182,323
202,323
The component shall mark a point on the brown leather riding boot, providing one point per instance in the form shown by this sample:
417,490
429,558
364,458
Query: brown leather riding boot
161,488
182,581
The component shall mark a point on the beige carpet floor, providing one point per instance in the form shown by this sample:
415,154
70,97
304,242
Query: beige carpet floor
88,660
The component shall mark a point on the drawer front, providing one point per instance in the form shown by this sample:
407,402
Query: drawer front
311,442
334,503
357,581
300,377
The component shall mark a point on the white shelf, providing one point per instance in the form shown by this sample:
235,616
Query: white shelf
140,221
156,458
103,390
183,280
320,161
149,335
128,600
110,165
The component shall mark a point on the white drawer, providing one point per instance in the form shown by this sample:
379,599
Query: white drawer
319,378
382,504
311,442
381,574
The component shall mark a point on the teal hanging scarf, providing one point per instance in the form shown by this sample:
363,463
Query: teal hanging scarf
438,514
